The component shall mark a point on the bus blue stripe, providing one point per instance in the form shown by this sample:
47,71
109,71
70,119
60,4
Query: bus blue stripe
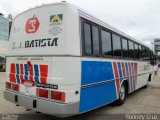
127,73
120,70
133,75
17,73
126,66
36,73
26,72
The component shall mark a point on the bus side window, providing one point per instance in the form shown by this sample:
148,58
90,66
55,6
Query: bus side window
143,53
140,52
95,38
136,51
152,58
131,49
87,39
106,43
147,54
117,51
125,48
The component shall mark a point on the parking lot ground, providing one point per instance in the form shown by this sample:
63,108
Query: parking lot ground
143,101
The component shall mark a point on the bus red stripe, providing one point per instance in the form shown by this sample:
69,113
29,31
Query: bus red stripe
21,69
12,76
135,71
31,73
43,73
123,69
116,76
130,74
13,68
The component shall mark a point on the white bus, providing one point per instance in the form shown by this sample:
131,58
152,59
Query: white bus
63,61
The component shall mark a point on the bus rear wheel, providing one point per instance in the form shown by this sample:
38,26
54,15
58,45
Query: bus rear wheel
122,95
146,86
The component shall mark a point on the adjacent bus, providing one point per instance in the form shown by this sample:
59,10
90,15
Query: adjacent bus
63,61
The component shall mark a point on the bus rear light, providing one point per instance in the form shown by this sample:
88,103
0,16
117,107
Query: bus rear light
60,96
43,93
37,90
15,87
8,85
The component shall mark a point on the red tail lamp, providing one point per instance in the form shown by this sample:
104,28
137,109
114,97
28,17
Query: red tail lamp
8,85
15,87
43,93
60,96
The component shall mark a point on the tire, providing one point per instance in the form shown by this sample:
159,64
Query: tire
122,95
146,85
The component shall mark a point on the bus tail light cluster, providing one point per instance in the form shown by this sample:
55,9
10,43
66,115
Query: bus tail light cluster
11,86
8,85
43,93
58,96
15,87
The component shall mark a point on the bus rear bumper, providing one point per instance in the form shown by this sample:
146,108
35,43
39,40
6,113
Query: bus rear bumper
44,106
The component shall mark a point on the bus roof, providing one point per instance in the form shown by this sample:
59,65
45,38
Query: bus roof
85,14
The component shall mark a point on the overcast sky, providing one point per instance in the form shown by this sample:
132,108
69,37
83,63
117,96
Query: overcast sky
138,18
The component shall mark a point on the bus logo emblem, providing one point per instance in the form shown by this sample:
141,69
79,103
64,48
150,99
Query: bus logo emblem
56,19
32,25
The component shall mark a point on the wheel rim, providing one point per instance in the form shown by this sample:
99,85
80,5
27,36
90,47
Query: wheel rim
122,92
